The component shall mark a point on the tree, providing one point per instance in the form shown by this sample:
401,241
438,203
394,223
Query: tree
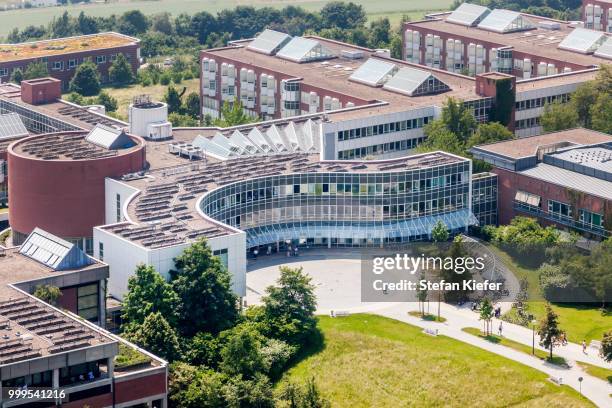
312,398
459,119
179,120
486,315
203,286
133,22
439,232
17,76
601,113
439,137
558,116
489,133
583,99
157,336
549,332
86,24
342,15
305,396
120,71
48,294
256,392
148,293
379,33
241,354
202,25
232,115
289,307
193,387
173,99
109,103
606,346
459,273
192,105
36,70
86,80
162,23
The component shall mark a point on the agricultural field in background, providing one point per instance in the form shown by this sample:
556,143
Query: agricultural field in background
393,9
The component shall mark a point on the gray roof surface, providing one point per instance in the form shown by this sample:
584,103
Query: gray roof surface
570,179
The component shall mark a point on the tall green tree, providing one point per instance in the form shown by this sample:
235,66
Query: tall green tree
158,337
583,99
195,387
241,355
489,133
486,315
558,116
439,137
549,331
36,70
601,113
289,307
255,392
109,103
203,286
148,293
232,115
459,119
86,80
192,105
606,346
173,99
133,22
120,72
342,15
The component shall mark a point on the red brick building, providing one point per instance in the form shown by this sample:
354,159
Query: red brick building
64,55
597,14
562,178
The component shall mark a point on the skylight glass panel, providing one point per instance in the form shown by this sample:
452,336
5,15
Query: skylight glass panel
605,50
211,148
414,82
269,42
109,138
301,49
53,251
11,126
582,40
505,21
468,14
373,72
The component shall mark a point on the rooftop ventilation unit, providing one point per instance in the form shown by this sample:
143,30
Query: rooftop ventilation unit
352,54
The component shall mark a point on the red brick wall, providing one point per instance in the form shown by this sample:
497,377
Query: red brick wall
42,90
509,182
141,387
68,300
99,401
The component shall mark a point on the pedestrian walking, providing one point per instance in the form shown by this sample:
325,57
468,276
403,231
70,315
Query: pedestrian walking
500,328
584,346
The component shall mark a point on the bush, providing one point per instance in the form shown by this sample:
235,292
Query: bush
177,77
276,354
187,75
165,78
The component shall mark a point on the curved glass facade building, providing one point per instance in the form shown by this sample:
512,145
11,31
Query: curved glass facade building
374,204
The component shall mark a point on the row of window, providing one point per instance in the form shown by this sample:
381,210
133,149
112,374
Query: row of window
383,128
559,210
70,64
383,148
527,123
541,102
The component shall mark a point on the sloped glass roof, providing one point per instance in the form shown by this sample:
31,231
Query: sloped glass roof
582,40
109,138
301,49
269,42
468,14
505,21
373,72
11,126
605,50
414,82
53,251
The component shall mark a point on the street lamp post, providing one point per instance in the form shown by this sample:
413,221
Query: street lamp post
533,322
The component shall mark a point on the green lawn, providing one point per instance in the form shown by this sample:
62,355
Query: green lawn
369,361
541,354
375,9
599,372
580,322
428,317
125,95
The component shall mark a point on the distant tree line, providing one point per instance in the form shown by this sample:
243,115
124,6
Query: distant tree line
163,33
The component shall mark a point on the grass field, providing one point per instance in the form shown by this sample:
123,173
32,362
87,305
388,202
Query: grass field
599,372
375,9
541,354
125,95
371,361
580,322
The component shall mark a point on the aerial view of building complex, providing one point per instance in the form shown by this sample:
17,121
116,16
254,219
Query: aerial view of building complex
335,204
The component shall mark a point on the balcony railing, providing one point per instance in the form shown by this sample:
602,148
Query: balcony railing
567,221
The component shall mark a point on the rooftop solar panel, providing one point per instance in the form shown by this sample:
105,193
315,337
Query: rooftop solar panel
468,14
413,82
269,42
605,50
582,40
11,126
373,72
505,21
301,49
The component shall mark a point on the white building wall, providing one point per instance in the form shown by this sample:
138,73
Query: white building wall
112,188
